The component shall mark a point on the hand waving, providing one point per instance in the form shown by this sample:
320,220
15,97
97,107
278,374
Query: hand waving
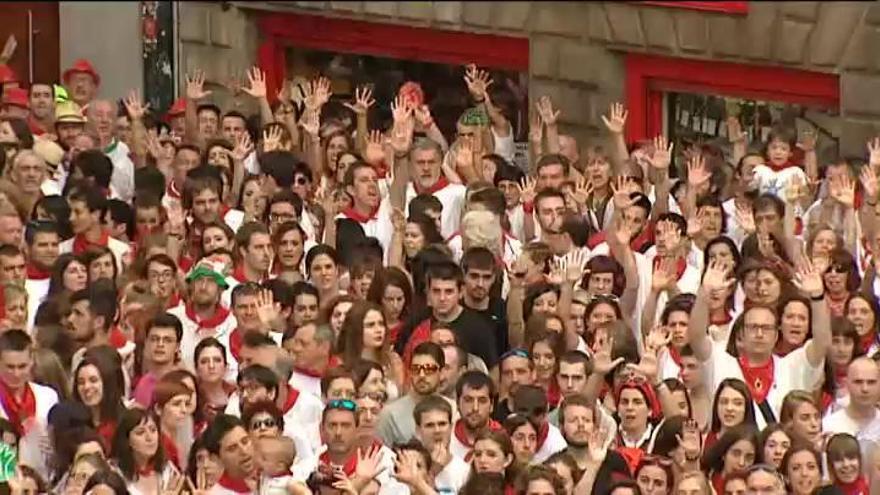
662,157
809,280
257,83
195,86
478,82
546,112
616,119
133,106
363,100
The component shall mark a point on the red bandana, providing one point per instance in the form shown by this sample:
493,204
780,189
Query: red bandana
36,273
460,432
675,355
238,274
440,184
81,244
210,323
866,341
292,396
18,411
172,189
857,487
680,266
333,362
352,214
173,301
759,379
234,485
236,340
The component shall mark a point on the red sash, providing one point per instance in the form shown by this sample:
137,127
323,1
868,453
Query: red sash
36,273
18,411
234,485
210,323
81,244
759,379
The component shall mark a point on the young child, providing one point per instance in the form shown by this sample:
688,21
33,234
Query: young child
275,458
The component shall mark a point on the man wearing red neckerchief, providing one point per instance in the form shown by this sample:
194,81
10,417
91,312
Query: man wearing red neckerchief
339,428
86,206
427,158
256,252
433,428
310,346
368,208
42,242
227,439
25,404
202,315
202,197
186,158
531,401
476,400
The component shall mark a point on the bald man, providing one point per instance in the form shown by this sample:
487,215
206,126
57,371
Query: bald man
102,116
859,418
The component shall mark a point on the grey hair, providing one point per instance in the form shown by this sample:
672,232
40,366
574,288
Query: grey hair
424,144
323,333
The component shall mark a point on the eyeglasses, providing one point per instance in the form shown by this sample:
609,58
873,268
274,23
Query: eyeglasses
265,423
426,369
379,396
344,404
838,268
281,217
515,352
754,329
161,276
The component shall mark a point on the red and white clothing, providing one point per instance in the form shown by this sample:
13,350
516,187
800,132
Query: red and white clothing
460,446
451,196
309,381
227,485
236,278
37,287
550,441
377,224
302,419
232,341
78,244
30,414
195,329
792,372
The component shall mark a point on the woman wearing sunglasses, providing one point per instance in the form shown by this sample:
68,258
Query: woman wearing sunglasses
263,420
840,279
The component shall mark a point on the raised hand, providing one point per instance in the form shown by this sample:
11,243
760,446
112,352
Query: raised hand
808,140
663,276
874,151
344,484
582,191
695,224
662,157
423,116
690,439
698,173
574,263
869,181
374,152
267,309
243,147
195,86
256,82
602,362
546,112
271,138
620,190
464,154
745,217
735,131
363,100
398,219
317,93
368,463
527,190
134,107
616,119
808,279
478,82
557,272
311,122
717,277
843,190
597,448
401,111
283,94
623,233
402,136
536,128
658,338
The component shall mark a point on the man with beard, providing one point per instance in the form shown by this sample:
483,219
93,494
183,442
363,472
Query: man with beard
427,158
516,369
255,251
476,400
202,197
576,415
42,105
550,212
480,275
90,317
42,241
396,423
339,429
69,123
368,208
571,377
203,315
246,300
228,440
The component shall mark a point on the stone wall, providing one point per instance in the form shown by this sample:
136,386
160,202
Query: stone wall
576,49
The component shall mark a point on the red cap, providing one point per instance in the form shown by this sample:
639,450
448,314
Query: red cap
82,65
7,75
15,96
177,109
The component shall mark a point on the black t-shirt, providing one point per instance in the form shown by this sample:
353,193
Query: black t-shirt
614,468
501,411
496,314
473,331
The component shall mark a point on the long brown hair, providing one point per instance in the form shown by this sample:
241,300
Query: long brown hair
351,339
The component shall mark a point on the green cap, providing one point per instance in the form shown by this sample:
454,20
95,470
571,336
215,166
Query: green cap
206,270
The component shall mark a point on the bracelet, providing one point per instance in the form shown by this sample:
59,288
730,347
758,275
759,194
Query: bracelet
818,298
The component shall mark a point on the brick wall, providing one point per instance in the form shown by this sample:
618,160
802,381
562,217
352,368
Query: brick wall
576,48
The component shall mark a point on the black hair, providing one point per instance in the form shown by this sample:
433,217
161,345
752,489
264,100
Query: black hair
121,449
260,374
280,166
94,164
430,349
122,212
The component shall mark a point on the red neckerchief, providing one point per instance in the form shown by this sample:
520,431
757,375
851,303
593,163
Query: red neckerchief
790,163
724,320
866,341
711,438
173,301
292,396
632,456
36,273
352,214
675,355
422,333
509,490
236,340
644,240
460,432
210,323
857,487
81,244
145,471
234,485
18,411
440,184
171,450
331,363
394,332
238,274
350,463
172,189
554,395
680,266
759,379
718,482
106,430
117,338
543,431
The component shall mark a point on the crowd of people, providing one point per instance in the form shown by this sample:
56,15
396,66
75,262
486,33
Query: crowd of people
301,301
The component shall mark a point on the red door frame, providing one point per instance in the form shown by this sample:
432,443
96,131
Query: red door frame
649,76
385,40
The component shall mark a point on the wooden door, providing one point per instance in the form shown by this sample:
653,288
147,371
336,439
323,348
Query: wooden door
37,56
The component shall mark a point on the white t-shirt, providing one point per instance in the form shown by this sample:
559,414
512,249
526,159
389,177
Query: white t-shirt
452,199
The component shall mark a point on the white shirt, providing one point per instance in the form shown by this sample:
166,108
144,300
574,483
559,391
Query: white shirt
552,444
30,450
119,249
36,291
452,199
378,226
193,333
122,180
302,422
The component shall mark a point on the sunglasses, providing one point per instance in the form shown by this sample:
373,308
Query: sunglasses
426,369
265,423
344,404
838,268
380,397
301,181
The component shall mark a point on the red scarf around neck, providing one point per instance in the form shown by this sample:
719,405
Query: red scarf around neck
353,214
173,301
759,379
233,484
292,396
18,410
866,341
36,273
238,274
210,323
857,487
331,363
236,340
460,432
440,184
81,244
680,266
